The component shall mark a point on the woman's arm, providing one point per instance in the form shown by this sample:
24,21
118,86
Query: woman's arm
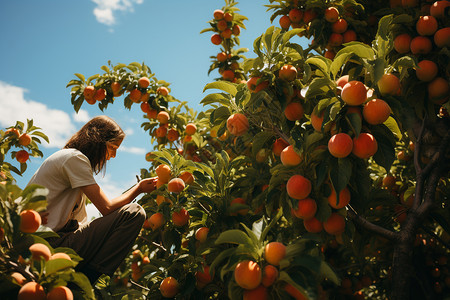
106,206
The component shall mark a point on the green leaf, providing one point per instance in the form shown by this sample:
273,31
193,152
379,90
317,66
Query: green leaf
58,264
327,272
284,276
339,60
81,76
225,86
385,155
392,125
291,33
235,236
259,140
384,26
340,173
320,62
359,49
222,98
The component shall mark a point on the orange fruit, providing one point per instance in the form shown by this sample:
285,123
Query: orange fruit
60,255
364,146
354,93
270,275
288,73
340,26
274,252
201,234
298,187
335,224
344,198
442,37
163,117
22,156
30,220
163,91
175,185
426,70
163,172
39,251
258,293
331,14
306,209
31,291
313,225
285,22
247,274
24,139
438,90
254,87
376,111
426,25
169,287
278,146
388,84
289,157
237,124
402,43
294,111
421,45
180,218
340,145
60,293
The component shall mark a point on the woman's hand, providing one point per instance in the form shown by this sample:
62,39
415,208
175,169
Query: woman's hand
147,185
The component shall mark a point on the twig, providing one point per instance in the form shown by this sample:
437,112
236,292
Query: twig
138,285
353,215
153,243
14,266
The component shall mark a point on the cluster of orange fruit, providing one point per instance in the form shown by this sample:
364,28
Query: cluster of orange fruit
431,35
23,139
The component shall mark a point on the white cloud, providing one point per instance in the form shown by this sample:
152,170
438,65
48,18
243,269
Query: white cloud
104,12
56,124
82,116
132,150
129,131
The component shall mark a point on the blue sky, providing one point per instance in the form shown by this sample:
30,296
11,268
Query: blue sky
45,42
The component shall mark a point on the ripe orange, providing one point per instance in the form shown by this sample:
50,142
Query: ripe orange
163,172
317,119
222,56
421,45
161,131
218,14
258,293
274,252
344,198
187,177
18,278
285,22
376,111
163,117
306,209
354,93
289,157
222,25
278,146
340,26
228,17
349,36
298,187
22,156
60,293
331,14
201,234
115,88
24,139
270,275
163,91
253,87
389,181
204,276
402,43
427,70
175,185
39,251
295,15
288,73
226,34
437,9
309,15
152,114
30,220
426,25
388,84
340,145
294,111
442,37
173,135
100,94
335,224
237,124
335,40
156,221
247,274
313,225
228,75
89,92
169,287
236,30
180,218
364,146
438,90
13,131
135,95
145,107
31,291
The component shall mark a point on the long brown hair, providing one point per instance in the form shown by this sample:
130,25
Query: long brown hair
91,140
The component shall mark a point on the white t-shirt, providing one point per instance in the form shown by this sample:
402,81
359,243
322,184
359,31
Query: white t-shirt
63,173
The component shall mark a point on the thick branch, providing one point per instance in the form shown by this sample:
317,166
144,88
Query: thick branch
353,215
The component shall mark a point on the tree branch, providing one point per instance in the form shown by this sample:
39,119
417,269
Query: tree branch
364,223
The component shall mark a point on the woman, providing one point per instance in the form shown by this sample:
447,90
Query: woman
68,174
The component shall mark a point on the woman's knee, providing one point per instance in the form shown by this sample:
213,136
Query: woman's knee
135,210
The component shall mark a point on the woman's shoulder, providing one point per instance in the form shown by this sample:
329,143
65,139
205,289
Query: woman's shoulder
68,153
